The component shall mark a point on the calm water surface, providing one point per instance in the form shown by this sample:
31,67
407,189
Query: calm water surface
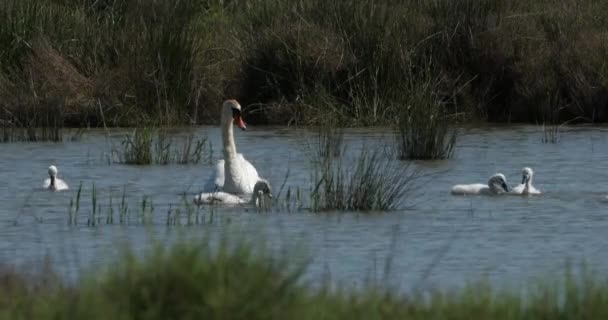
444,241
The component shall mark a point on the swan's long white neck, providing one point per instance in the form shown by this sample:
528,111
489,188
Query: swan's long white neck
528,185
228,140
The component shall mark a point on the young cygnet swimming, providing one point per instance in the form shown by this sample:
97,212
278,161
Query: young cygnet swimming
526,187
497,184
53,183
261,190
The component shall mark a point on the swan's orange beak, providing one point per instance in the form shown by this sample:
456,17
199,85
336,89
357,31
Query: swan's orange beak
238,120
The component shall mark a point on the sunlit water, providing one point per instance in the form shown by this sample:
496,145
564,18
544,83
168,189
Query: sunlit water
444,241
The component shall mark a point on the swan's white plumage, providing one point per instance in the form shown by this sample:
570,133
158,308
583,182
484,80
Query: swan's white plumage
219,197
52,182
475,188
248,180
233,174
260,191
525,187
497,184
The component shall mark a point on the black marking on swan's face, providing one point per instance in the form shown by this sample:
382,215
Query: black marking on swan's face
263,188
505,186
498,181
236,112
526,175
237,118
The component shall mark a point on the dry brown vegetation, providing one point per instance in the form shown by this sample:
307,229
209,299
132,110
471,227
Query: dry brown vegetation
81,62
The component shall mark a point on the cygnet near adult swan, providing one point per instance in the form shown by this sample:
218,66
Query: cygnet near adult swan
53,183
234,174
496,185
260,191
526,186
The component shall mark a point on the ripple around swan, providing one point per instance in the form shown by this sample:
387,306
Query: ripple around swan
505,239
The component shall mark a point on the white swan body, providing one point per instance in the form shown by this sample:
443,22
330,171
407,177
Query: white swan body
53,183
234,174
260,191
526,187
497,184
216,181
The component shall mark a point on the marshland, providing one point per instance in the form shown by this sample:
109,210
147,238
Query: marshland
361,114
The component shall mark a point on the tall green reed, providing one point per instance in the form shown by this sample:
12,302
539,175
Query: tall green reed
369,182
423,131
211,279
145,146
132,211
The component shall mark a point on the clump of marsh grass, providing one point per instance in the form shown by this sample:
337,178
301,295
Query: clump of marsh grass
11,134
137,147
550,133
370,183
31,134
145,146
129,211
327,142
550,117
211,279
330,141
288,198
423,130
192,150
162,60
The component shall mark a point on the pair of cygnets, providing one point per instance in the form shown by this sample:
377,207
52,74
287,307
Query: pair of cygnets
261,188
498,185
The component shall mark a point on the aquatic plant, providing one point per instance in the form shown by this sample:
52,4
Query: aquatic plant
17,134
137,147
329,140
165,62
210,280
133,212
423,130
145,146
550,118
369,183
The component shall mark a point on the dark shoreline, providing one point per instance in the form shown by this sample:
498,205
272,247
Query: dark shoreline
126,63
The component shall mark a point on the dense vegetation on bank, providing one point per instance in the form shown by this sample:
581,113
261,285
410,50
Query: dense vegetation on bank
235,281
365,62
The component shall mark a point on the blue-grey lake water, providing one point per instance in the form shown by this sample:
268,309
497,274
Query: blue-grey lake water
436,241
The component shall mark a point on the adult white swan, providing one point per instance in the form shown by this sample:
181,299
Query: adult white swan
261,190
234,174
496,185
526,187
52,182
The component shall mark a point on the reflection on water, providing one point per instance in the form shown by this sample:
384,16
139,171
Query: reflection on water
444,241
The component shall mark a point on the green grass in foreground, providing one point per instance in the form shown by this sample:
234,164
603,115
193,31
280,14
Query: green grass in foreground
236,281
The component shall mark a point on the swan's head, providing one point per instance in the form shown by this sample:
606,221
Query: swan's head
231,111
52,171
526,175
498,183
262,188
